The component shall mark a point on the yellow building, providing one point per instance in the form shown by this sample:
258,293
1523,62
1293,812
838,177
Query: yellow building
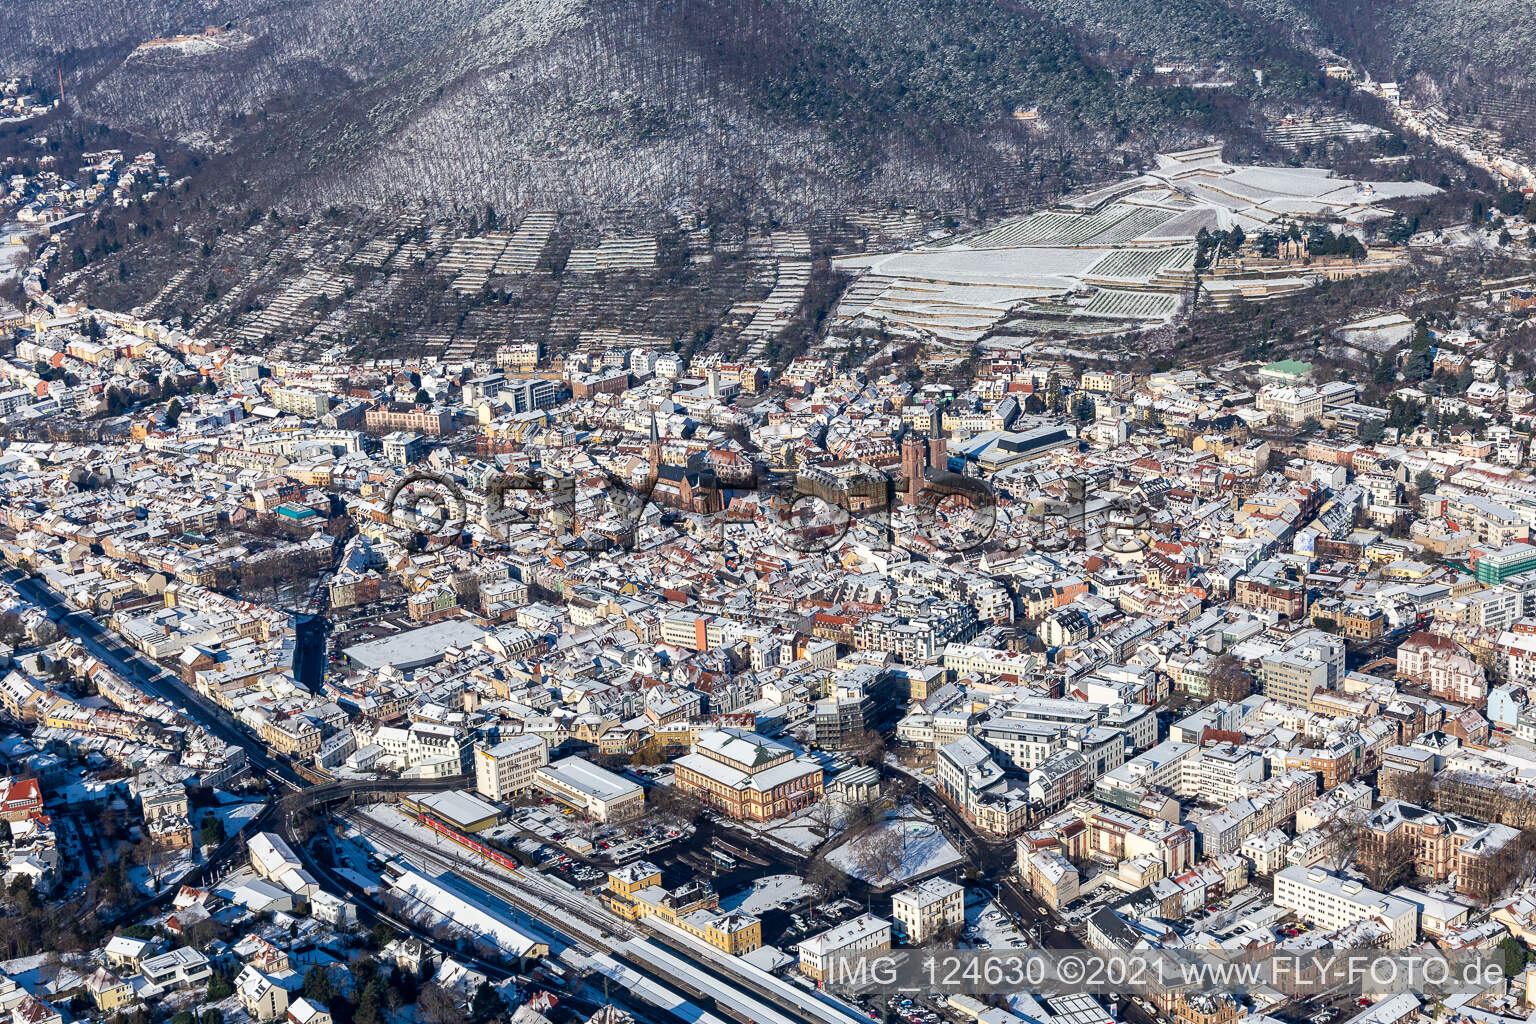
624,882
635,893
294,736
734,933
109,992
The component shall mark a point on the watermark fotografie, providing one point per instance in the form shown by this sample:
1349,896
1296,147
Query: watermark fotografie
807,511
1154,972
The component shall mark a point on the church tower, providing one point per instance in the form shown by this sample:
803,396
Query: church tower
914,453
653,449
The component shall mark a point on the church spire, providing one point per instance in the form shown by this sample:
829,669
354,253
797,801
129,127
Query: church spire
653,450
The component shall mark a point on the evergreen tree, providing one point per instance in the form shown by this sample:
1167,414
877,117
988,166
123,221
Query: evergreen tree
370,1004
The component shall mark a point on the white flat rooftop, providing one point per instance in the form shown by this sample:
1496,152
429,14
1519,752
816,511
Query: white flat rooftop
415,647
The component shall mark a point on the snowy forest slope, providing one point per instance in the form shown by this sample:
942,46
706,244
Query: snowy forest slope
792,106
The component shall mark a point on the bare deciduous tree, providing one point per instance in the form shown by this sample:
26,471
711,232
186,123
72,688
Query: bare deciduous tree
1341,840
436,1005
1389,862
1230,679
880,853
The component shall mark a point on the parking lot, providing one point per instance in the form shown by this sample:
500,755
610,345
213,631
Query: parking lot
572,832
794,926
911,1011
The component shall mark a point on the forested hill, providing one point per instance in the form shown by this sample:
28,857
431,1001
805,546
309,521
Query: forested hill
786,106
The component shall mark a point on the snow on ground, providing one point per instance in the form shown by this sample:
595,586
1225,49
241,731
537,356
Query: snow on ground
350,853
803,831
767,893
1029,270
232,815
159,51
392,816
43,974
960,287
165,874
368,883
918,843
13,254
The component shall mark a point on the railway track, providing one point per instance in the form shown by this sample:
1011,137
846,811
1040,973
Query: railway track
663,959
508,889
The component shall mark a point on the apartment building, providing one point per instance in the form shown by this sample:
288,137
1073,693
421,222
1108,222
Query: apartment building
109,992
1158,768
635,893
1493,567
1290,405
1118,835
863,934
428,420
1219,773
1334,903
295,736
693,632
350,589
1516,657
1291,678
1050,876
989,796
1492,523
507,768
602,382
839,721
433,748
1337,763
964,659
310,403
1025,744
178,968
1059,778
403,447
928,908
1351,798
1258,807
529,395
20,799
1441,664
1284,592
917,639
518,356
260,994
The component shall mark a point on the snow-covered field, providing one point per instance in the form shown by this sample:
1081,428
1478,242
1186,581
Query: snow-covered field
201,45
1048,270
42,973
922,849
155,878
803,831
767,893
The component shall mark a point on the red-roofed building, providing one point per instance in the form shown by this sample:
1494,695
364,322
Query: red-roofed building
20,800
